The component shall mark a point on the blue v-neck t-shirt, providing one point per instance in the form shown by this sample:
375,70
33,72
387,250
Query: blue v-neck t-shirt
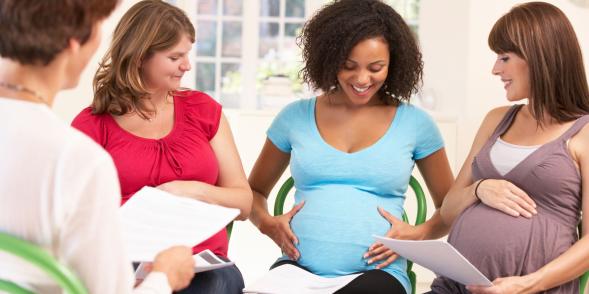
343,190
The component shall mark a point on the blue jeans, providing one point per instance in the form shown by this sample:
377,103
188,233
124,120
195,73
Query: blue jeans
224,280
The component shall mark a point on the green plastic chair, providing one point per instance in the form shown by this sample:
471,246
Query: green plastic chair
419,219
43,260
585,277
583,282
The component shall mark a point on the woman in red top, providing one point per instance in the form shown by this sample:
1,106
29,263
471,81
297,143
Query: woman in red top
159,136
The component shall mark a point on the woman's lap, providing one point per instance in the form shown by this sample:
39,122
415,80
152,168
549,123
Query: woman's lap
372,281
224,280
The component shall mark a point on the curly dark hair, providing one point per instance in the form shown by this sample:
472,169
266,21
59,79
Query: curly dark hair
328,38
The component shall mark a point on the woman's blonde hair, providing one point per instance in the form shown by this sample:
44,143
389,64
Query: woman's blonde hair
149,26
541,34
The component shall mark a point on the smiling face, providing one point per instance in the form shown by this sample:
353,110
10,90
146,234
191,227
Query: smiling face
164,69
364,71
515,75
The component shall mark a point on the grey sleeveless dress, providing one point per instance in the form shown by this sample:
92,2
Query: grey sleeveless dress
500,245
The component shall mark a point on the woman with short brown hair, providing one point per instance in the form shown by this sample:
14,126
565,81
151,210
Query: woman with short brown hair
58,189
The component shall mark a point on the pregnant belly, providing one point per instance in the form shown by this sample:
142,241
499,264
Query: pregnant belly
335,229
501,245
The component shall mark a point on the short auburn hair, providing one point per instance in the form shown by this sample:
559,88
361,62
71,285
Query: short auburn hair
33,32
542,35
148,27
328,38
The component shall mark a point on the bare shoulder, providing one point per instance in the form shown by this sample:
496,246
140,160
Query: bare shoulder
223,131
496,115
580,143
492,119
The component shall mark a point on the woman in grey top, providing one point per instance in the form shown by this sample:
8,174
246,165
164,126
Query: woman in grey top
516,203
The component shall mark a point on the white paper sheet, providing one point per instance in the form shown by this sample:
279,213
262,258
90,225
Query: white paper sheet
290,279
438,256
154,220
204,261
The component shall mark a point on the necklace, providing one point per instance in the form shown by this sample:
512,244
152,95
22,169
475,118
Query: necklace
156,110
23,89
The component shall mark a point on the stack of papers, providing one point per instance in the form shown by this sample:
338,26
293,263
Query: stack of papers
438,256
204,261
290,279
154,220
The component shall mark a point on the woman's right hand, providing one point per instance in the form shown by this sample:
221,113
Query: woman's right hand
178,265
278,229
506,197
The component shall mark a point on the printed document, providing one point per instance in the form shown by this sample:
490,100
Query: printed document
438,256
290,279
154,220
204,261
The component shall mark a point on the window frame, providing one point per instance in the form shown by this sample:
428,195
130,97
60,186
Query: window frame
250,42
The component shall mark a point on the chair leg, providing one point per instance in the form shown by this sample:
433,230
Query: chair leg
413,280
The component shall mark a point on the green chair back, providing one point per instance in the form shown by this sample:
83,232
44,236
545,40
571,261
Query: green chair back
43,260
229,229
419,219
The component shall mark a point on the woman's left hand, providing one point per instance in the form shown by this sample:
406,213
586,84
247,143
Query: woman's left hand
399,230
508,285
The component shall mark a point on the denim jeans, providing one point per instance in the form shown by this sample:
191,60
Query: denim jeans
227,280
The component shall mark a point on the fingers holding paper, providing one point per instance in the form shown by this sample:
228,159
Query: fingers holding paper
378,252
178,265
399,230
279,230
508,285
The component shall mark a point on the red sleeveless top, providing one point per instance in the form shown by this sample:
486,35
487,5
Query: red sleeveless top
184,154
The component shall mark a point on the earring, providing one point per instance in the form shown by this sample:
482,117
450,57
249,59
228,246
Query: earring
386,89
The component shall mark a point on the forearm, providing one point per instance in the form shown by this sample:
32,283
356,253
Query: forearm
568,266
259,209
457,200
233,197
434,228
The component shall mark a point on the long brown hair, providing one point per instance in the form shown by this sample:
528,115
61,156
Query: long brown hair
149,26
541,34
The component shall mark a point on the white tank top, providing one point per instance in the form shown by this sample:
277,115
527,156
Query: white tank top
505,156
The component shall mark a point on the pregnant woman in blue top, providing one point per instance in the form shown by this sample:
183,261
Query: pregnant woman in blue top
352,150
